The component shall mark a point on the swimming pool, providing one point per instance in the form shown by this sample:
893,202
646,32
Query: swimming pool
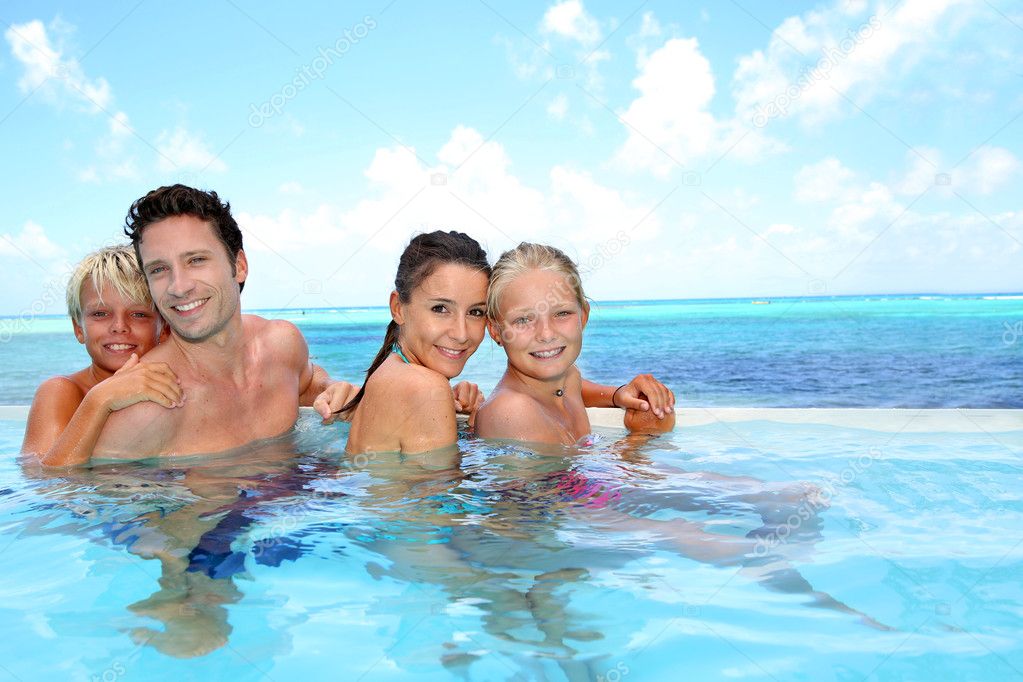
629,560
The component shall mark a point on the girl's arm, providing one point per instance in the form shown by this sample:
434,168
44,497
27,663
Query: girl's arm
63,425
644,393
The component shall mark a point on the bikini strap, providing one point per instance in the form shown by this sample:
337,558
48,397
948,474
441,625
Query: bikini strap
395,348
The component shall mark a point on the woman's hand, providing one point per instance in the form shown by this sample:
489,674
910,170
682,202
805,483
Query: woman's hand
645,394
333,398
468,398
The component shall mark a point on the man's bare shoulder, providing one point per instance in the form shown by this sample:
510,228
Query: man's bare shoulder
282,338
254,324
144,427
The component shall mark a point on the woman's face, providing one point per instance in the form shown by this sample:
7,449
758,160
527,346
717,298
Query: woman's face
540,324
445,318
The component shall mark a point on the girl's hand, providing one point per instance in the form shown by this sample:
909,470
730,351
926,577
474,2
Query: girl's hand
468,398
645,394
136,383
646,422
333,398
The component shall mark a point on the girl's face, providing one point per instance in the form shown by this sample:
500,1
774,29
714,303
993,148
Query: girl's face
112,328
445,318
540,324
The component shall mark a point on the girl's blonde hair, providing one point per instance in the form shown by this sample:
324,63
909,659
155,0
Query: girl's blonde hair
113,265
523,258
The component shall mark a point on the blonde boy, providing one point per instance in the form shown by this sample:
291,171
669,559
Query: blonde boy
113,316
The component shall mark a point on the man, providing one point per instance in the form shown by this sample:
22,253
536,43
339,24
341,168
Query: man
243,377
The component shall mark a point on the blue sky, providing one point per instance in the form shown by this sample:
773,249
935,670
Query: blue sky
702,150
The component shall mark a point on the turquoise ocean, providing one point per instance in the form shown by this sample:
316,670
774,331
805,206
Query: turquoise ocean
924,350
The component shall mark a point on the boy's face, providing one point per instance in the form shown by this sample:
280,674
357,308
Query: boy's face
112,328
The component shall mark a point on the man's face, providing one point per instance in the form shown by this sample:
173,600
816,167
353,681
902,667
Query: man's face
190,276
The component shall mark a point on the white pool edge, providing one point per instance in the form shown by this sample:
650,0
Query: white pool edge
912,420
877,419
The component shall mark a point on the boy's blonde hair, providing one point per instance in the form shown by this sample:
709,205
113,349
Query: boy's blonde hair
113,265
528,256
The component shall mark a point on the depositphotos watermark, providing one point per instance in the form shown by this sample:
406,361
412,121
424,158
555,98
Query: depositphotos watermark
326,57
809,508
1012,333
833,56
53,294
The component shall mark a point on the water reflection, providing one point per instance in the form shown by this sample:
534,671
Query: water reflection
498,549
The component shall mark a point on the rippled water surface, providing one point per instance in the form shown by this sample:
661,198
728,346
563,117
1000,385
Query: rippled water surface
752,550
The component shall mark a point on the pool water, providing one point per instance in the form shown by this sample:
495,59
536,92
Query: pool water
752,550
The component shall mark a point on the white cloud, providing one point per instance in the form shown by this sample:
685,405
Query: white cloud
472,189
989,168
31,243
569,19
983,172
815,60
670,124
825,180
182,150
669,121
58,78
61,81
587,211
113,160
650,28
291,187
558,107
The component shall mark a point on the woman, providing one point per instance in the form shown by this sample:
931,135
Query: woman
438,319
537,313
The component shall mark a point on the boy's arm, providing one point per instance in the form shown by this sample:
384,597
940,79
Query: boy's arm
63,438
53,408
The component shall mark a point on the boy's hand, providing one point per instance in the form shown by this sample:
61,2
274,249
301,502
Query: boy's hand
333,398
135,382
468,399
645,393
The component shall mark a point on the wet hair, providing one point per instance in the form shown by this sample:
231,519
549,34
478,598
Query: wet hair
418,261
177,200
523,258
113,265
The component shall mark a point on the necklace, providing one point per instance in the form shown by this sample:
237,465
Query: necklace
560,392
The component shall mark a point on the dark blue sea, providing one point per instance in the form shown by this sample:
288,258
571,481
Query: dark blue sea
863,351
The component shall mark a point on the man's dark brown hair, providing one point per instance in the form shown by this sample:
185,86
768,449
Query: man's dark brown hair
175,200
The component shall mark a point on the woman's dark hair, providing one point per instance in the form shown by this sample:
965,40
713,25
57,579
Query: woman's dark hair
418,261
175,200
